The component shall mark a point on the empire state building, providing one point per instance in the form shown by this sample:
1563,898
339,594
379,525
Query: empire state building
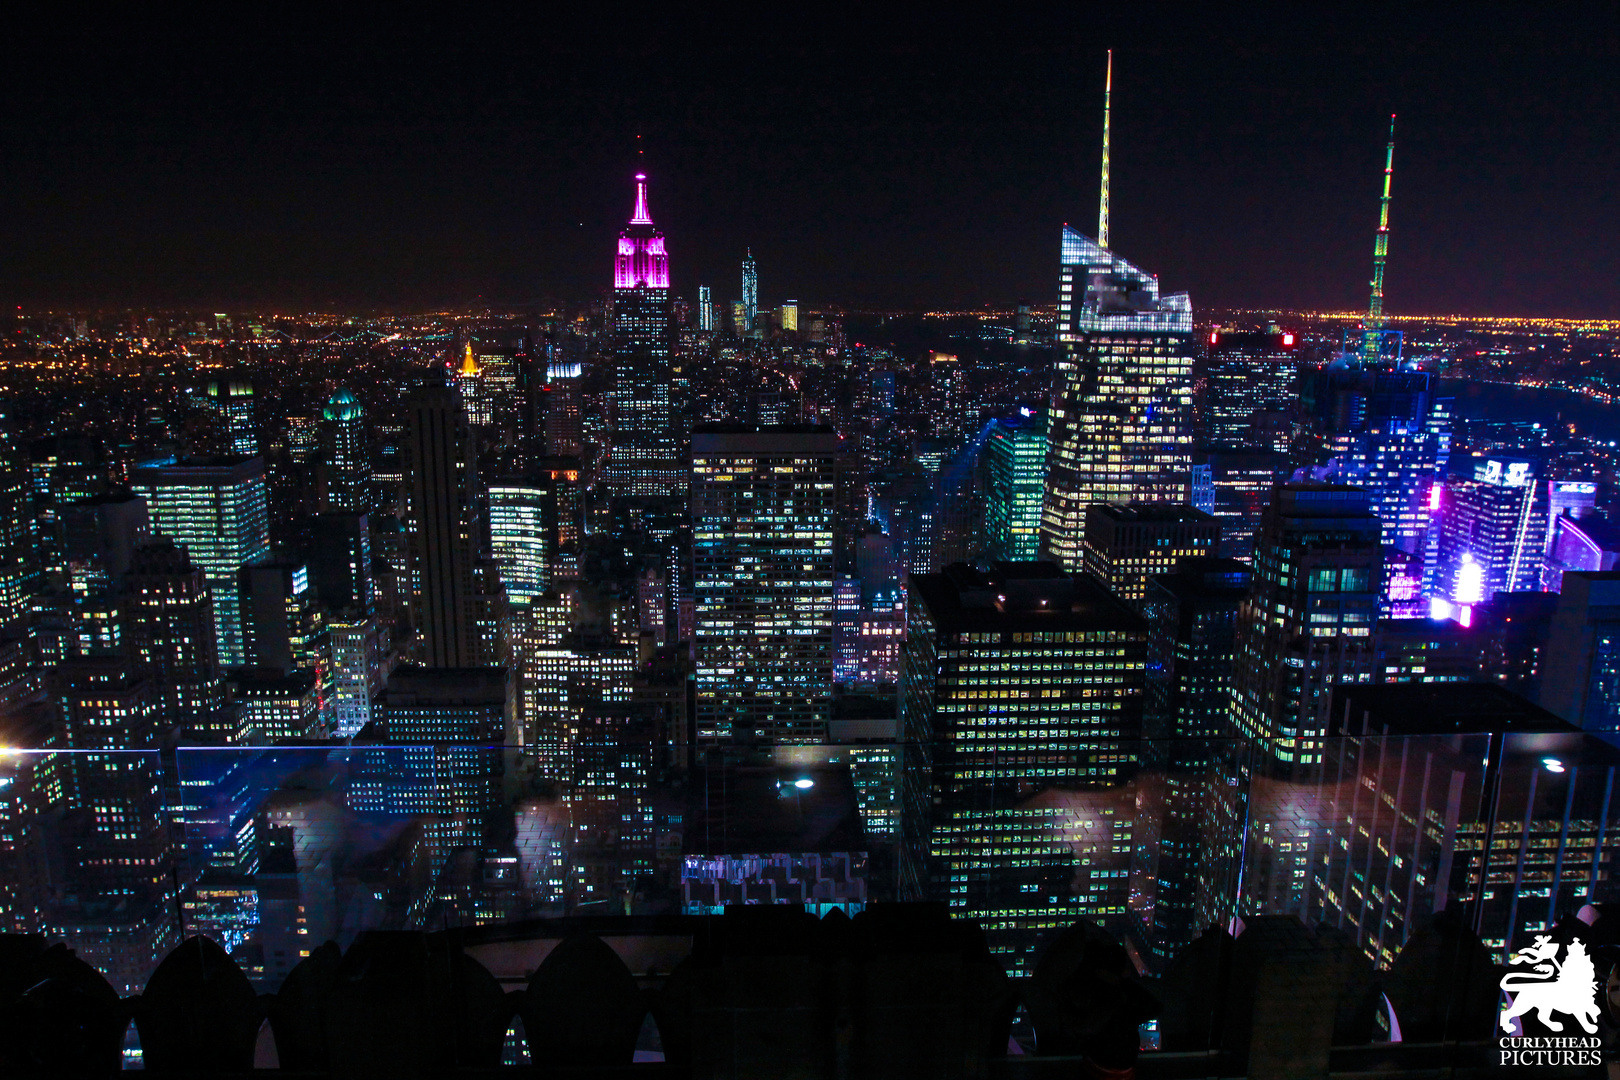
643,456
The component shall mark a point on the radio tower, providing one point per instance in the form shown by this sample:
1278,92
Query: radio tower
1372,333
1102,209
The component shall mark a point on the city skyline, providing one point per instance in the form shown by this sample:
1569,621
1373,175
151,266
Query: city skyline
1245,168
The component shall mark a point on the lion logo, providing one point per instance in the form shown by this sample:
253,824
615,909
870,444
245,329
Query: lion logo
1567,986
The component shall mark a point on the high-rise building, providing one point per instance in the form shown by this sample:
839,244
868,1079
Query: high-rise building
561,404
340,564
344,473
1248,389
1585,543
476,399
750,293
1492,532
232,402
1235,486
1388,433
354,676
643,456
523,534
706,321
441,731
1020,701
281,620
65,469
218,508
790,316
1127,544
763,512
170,613
1015,485
1121,415
1308,621
1581,675
1187,751
440,522
19,538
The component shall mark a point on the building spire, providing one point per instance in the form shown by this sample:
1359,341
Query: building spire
1102,209
1370,343
641,216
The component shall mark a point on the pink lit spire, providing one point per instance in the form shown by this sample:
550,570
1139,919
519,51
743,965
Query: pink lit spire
642,262
641,216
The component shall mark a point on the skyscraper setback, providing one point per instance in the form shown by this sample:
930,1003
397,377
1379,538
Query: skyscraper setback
644,443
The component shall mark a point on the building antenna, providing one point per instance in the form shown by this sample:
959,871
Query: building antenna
1102,209
1371,338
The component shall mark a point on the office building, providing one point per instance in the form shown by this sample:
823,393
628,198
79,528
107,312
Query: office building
561,405
63,470
1387,432
645,444
343,477
439,735
1585,543
1458,796
353,675
339,563
19,538
440,521
790,316
1014,458
217,508
278,706
1248,389
763,513
1127,544
1581,673
170,617
281,620
1307,623
1121,418
1235,486
1492,532
1187,751
610,804
750,293
231,400
1020,702
523,534
706,321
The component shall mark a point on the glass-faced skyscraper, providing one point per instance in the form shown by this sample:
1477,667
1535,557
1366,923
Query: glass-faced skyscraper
232,402
1015,479
763,509
643,456
1121,416
217,508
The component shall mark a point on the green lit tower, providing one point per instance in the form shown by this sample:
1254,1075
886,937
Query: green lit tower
1372,335
345,470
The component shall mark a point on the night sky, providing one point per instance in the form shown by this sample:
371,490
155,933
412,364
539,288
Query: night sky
259,159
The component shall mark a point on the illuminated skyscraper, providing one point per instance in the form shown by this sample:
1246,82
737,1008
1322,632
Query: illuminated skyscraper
1121,416
1020,697
217,508
65,469
1385,431
705,309
1249,389
1015,475
344,473
790,316
1308,621
750,293
1492,532
643,458
232,402
523,535
19,539
763,512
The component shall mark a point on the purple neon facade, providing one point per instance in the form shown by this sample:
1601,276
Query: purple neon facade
641,262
